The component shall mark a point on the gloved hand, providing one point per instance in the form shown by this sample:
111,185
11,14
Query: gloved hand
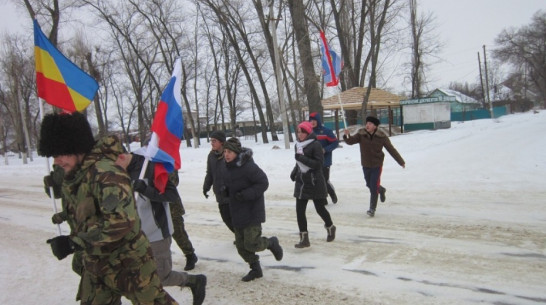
205,193
61,246
293,176
139,186
224,191
239,196
49,182
299,157
57,218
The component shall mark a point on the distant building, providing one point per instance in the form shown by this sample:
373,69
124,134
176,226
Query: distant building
440,108
458,101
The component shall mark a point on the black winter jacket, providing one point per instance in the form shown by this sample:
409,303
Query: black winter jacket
216,172
310,185
244,177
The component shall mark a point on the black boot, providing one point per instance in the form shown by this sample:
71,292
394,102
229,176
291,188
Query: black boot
191,259
371,213
304,241
275,247
255,272
197,284
382,192
331,233
373,201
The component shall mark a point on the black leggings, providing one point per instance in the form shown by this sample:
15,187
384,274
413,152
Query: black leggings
320,207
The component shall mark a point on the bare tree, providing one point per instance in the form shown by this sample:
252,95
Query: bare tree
301,30
525,47
217,113
14,63
424,44
231,20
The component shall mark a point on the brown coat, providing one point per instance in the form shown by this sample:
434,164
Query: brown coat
371,148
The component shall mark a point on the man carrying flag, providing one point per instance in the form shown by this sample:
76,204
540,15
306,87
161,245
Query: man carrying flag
164,150
116,255
59,81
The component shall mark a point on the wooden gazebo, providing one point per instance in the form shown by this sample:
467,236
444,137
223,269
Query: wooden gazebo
352,100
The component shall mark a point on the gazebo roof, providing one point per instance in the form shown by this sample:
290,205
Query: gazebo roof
352,99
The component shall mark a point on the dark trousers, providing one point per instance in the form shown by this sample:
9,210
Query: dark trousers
372,175
226,215
329,186
320,207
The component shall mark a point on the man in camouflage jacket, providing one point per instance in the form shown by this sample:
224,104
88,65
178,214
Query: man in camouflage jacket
117,257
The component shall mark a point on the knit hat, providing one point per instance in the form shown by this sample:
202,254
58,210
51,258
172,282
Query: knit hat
233,144
218,135
373,120
65,134
316,116
306,126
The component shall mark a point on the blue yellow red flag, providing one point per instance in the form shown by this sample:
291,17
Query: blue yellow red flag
167,130
331,63
59,81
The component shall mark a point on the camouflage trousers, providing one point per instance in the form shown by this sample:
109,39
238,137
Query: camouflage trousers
180,235
77,266
248,241
129,272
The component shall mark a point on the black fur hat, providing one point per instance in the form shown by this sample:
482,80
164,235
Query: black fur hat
65,134
373,120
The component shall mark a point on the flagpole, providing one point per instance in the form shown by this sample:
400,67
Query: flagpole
142,172
48,168
342,110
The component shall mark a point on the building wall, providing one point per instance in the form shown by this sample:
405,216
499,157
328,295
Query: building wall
427,116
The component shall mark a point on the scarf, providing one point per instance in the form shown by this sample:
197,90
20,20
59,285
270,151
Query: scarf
299,150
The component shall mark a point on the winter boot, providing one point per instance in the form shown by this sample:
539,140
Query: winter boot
191,259
382,192
197,284
275,247
371,213
304,241
331,233
255,272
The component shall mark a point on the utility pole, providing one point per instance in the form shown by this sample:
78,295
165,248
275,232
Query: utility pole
278,76
481,80
487,82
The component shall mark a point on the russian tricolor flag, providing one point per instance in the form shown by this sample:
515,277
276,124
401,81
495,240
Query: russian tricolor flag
167,130
331,63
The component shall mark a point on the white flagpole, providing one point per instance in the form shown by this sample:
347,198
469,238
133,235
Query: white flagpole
48,168
342,110
142,172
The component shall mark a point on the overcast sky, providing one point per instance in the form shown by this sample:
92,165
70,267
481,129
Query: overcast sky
464,26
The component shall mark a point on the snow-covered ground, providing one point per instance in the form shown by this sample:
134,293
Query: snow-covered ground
464,223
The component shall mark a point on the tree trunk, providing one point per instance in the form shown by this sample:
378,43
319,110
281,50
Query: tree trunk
297,11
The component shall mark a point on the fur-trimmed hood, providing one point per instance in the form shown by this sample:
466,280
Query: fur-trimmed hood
243,157
378,133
